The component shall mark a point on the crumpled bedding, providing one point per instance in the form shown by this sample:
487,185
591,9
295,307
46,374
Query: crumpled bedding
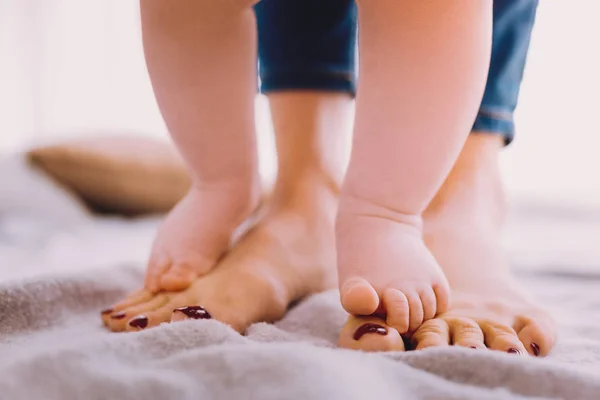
59,270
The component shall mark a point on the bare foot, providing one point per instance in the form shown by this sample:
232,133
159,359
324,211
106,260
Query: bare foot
462,229
286,256
503,320
196,234
385,268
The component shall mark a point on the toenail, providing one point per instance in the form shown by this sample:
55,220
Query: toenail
370,328
195,312
106,311
512,350
119,315
139,322
535,348
473,347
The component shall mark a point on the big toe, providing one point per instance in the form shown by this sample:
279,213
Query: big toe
190,312
358,296
369,334
537,336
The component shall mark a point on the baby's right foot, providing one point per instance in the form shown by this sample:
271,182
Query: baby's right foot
197,233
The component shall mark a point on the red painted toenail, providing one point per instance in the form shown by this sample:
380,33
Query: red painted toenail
107,311
512,350
370,328
195,312
473,347
535,348
119,315
139,322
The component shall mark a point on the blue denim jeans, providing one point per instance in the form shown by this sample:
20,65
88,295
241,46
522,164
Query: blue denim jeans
311,45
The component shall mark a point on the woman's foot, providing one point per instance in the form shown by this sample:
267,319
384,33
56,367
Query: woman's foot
462,229
385,268
196,234
286,256
496,314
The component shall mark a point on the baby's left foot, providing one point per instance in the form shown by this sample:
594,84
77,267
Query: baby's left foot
385,268
286,256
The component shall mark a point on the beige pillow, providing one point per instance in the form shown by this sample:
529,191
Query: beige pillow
126,175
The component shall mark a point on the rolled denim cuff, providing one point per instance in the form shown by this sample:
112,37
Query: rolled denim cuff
495,123
322,81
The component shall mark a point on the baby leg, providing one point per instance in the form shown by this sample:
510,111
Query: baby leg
423,66
201,56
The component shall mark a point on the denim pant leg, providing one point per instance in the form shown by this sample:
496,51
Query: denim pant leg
513,23
307,45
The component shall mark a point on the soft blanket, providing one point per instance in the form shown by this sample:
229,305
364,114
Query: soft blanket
53,346
59,270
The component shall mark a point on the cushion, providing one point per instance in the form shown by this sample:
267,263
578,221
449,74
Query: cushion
124,175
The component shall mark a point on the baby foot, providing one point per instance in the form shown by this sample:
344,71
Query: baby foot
289,254
385,268
195,235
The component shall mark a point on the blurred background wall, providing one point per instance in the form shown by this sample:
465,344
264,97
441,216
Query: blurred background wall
75,67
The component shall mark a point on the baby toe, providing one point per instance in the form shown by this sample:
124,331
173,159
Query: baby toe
358,296
157,266
429,302
397,309
442,297
179,277
416,310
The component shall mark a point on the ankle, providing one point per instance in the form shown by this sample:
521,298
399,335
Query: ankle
352,206
473,193
240,196
312,135
306,186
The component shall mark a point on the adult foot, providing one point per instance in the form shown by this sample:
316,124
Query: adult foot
196,234
385,268
462,228
286,256
503,319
